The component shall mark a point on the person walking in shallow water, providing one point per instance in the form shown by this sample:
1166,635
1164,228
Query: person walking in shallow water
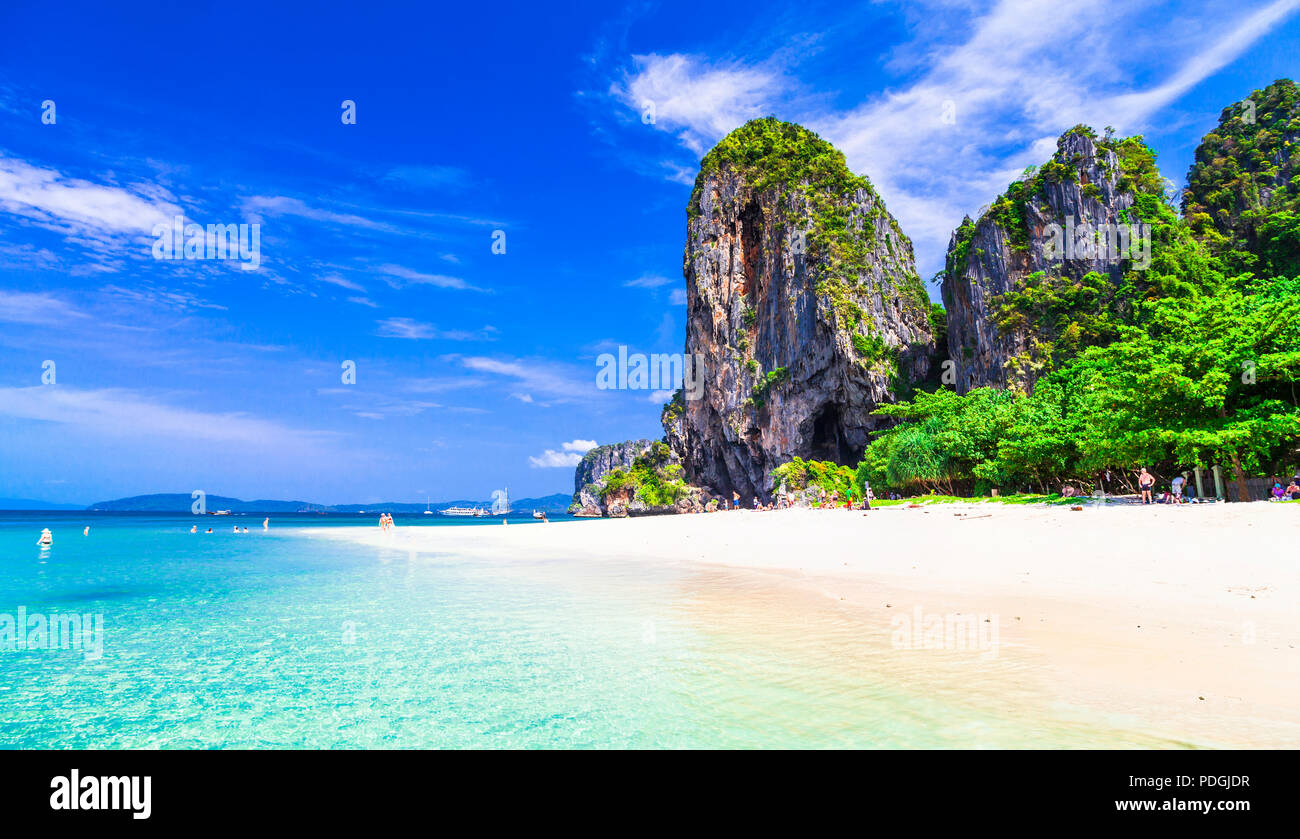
1146,483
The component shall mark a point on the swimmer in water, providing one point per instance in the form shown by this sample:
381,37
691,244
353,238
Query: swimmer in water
86,532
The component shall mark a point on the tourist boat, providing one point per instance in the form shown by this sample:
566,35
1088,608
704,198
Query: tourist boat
47,538
465,511
538,514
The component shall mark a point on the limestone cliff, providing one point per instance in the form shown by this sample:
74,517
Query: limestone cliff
636,478
1247,173
803,305
1071,219
592,469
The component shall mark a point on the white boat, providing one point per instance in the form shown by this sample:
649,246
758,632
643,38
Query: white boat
538,514
47,538
427,511
465,511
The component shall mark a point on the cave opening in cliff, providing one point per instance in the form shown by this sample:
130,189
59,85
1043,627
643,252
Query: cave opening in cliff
751,249
828,441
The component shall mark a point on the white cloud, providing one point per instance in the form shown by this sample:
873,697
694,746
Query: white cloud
399,277
410,329
648,281
535,376
124,413
570,456
678,297
697,101
551,459
36,309
258,206
78,207
341,282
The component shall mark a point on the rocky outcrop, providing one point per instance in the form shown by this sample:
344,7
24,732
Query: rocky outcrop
635,478
1064,220
804,309
592,469
1242,176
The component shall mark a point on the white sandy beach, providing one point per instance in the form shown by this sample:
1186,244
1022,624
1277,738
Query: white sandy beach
1182,623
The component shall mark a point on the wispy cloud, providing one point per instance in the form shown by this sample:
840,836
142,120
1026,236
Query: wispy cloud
399,277
649,281
548,379
445,178
260,206
125,413
415,330
35,309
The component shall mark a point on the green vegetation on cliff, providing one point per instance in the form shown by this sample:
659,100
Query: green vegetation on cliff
1194,361
800,474
800,166
653,479
1243,190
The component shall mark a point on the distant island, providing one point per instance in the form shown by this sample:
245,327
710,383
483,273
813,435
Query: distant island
180,502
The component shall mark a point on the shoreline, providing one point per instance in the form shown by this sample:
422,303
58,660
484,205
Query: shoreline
1180,623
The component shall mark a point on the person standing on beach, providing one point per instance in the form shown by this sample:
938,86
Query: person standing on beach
1146,483
1176,490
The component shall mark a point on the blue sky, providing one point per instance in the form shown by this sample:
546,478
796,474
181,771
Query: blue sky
475,369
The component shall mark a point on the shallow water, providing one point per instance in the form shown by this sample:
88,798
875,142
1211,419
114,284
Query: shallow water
285,639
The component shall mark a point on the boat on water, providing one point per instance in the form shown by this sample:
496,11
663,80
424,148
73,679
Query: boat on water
538,514
427,511
47,538
221,513
465,511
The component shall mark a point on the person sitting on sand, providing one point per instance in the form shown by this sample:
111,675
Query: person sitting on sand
1293,490
1278,492
1146,483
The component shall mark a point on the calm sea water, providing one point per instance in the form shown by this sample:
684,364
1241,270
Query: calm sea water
286,639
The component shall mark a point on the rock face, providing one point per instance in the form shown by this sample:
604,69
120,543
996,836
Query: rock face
804,307
593,468
1048,222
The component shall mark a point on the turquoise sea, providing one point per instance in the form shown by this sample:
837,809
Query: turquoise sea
285,639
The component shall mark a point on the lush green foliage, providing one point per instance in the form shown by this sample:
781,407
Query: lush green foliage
799,474
766,383
653,478
1240,199
1193,361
